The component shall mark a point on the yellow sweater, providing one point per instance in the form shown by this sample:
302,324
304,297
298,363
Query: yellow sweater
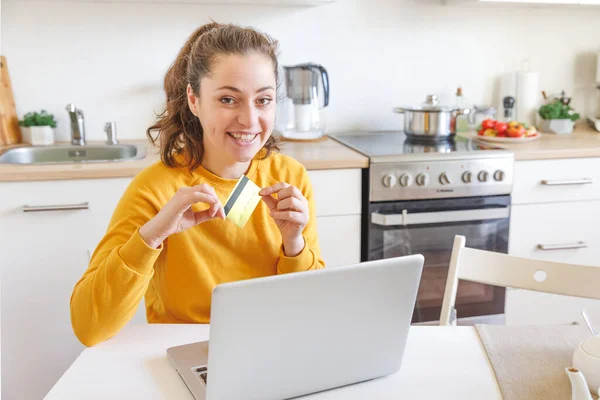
177,279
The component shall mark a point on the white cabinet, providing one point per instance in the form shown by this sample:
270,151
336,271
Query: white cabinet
551,181
337,191
338,202
525,307
339,238
555,217
564,232
44,253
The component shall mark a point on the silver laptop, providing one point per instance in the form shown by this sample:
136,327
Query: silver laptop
290,335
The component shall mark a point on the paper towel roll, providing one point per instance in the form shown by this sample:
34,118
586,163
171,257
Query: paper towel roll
527,101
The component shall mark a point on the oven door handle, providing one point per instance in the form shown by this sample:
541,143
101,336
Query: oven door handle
439,216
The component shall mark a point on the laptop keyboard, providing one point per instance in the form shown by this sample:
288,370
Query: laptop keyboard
202,373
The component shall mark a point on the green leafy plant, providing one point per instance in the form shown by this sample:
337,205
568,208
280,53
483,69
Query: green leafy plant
558,110
38,119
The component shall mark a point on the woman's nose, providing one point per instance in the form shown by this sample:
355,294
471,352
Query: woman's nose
248,116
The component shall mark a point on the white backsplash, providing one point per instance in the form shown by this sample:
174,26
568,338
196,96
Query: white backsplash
110,58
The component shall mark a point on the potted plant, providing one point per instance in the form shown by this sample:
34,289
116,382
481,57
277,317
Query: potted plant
38,128
557,116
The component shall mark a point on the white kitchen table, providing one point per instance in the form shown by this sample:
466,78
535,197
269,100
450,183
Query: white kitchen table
440,363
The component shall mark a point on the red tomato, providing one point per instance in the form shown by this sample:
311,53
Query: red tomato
501,127
488,124
503,134
480,133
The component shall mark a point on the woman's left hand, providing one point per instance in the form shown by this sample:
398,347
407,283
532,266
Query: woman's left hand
290,212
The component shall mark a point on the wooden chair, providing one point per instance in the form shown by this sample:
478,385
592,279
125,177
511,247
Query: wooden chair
503,270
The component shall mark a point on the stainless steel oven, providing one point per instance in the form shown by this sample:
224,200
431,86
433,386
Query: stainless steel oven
417,196
428,227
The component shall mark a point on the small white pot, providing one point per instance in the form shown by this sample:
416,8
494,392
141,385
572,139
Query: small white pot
558,126
586,358
37,135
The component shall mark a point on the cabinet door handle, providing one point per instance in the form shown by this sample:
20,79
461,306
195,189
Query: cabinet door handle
567,246
57,207
562,182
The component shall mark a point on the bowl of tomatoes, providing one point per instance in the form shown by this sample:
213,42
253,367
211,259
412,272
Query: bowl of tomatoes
506,132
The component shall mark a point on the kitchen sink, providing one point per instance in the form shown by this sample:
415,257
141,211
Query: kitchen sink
66,153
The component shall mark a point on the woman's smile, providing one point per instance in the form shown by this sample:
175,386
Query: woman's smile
243,138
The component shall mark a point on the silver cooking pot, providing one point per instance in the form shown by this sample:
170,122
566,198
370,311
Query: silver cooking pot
430,121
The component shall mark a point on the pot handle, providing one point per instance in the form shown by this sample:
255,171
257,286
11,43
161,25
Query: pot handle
464,111
399,110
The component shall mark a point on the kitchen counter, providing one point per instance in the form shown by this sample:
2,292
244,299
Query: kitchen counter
326,154
583,142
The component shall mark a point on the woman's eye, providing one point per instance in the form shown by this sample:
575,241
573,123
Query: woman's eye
264,101
227,100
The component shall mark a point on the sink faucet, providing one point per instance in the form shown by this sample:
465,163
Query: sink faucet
77,125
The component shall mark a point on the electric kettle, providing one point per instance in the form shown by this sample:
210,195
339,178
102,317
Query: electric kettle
306,94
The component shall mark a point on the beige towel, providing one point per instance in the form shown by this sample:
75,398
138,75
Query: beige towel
530,361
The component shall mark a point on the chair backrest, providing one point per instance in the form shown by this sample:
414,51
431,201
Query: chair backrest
503,270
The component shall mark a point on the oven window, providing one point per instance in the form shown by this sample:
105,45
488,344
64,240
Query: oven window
434,241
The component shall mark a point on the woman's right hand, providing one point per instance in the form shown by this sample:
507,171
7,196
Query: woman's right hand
177,215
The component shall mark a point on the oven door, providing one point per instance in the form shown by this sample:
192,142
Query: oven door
428,227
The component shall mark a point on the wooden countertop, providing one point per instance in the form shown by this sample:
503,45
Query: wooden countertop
326,154
583,142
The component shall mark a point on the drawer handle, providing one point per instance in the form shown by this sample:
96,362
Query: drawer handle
562,182
568,246
57,207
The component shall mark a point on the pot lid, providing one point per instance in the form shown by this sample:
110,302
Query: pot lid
431,104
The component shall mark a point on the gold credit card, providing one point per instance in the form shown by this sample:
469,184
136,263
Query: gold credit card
242,201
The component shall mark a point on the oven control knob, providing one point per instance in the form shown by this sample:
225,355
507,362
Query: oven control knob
467,176
389,180
422,179
483,176
405,180
499,175
444,180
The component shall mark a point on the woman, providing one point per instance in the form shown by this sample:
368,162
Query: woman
168,238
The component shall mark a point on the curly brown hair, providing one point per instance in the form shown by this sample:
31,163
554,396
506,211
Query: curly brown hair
177,129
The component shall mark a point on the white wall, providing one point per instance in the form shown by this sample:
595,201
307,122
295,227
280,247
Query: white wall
109,59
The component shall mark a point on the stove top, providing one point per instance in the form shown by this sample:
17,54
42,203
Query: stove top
383,146
402,168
